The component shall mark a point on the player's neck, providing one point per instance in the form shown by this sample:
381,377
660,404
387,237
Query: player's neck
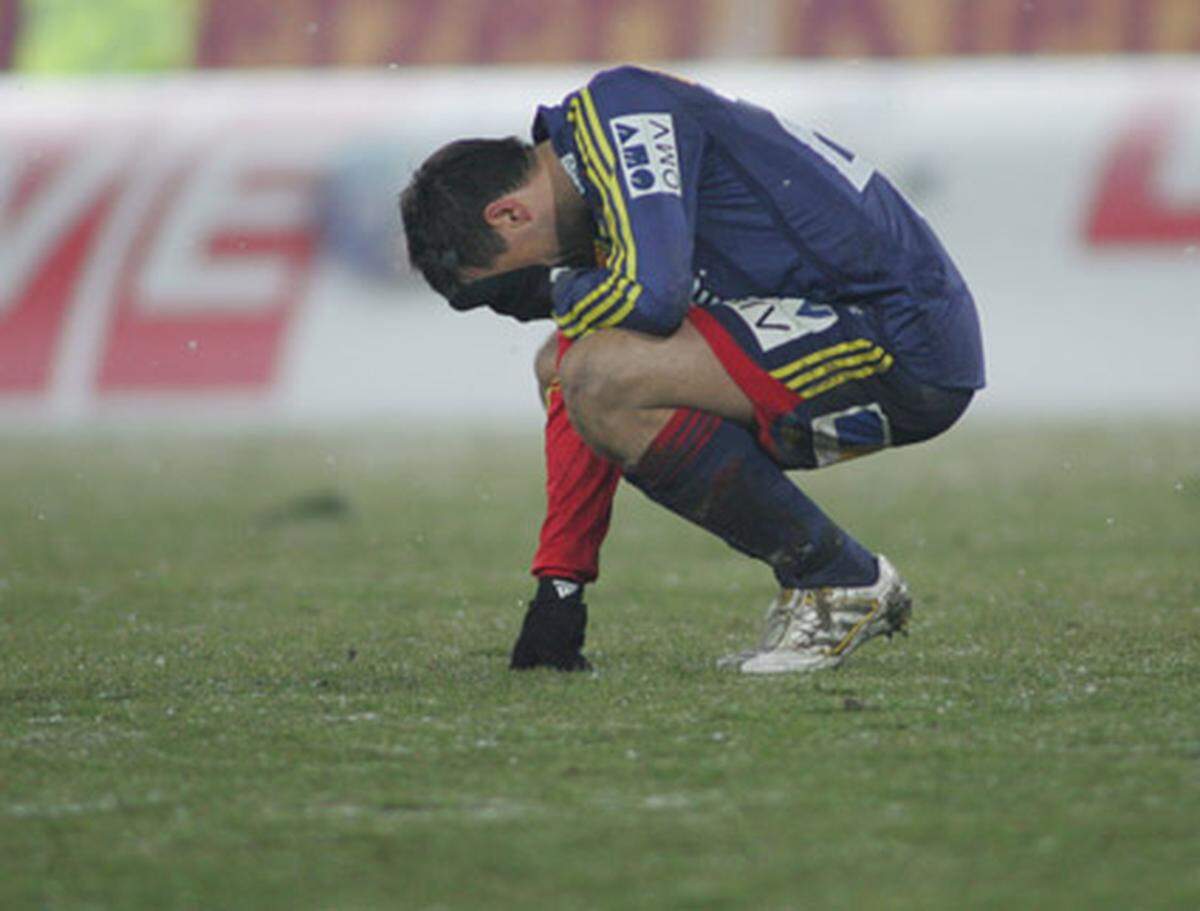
572,218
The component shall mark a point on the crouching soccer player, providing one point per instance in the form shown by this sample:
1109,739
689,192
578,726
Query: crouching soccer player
734,296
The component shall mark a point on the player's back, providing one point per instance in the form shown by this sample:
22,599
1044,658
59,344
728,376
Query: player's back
781,210
847,229
688,185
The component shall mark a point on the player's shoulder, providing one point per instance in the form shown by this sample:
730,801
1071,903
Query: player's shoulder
631,77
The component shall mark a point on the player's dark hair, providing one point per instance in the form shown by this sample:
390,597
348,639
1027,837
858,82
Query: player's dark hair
442,206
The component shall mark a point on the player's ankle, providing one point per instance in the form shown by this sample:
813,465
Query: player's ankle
850,566
552,589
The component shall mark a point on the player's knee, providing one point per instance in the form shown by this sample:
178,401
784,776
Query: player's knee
598,384
593,374
545,364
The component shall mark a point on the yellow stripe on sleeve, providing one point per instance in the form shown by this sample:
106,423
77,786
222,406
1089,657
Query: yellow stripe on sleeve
597,317
602,177
601,298
624,311
622,215
614,298
573,326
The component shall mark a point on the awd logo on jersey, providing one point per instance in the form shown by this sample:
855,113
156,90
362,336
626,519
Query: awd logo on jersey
775,321
649,159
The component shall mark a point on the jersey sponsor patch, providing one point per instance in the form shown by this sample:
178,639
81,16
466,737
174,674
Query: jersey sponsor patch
649,158
776,321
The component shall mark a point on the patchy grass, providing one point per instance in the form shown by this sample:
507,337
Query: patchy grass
269,672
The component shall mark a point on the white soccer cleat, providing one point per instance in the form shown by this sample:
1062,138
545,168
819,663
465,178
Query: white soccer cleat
775,623
811,629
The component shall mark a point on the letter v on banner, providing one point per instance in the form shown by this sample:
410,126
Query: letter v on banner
54,197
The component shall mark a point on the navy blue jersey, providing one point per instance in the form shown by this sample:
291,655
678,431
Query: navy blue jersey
699,197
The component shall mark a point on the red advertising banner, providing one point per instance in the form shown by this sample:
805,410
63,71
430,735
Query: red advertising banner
235,238
193,251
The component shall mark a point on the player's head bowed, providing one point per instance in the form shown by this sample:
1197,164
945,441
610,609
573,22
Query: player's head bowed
443,207
486,219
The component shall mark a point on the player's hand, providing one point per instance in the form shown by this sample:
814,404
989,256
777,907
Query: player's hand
552,636
523,294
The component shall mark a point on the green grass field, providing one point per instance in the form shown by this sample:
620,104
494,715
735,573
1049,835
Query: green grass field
269,672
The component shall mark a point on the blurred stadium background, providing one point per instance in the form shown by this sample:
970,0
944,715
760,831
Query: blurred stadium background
197,197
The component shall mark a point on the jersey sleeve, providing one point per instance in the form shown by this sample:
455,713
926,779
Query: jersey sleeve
640,152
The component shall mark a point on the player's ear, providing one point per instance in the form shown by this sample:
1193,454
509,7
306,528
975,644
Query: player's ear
507,212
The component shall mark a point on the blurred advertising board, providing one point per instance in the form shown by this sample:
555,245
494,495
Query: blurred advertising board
122,35
226,246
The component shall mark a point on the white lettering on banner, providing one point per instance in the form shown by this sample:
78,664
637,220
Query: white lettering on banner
776,321
55,194
1181,170
649,158
29,233
214,249
87,328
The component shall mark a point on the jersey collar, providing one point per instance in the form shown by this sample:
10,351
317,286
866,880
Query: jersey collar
550,123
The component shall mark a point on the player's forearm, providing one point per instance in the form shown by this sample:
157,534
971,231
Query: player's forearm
590,299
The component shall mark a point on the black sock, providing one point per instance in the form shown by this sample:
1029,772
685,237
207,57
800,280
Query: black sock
713,473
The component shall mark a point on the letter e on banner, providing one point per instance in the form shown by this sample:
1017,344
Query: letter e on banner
204,296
